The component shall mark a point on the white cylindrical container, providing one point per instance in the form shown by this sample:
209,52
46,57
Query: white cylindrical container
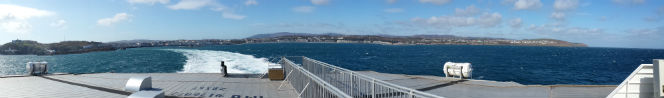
30,67
36,68
452,69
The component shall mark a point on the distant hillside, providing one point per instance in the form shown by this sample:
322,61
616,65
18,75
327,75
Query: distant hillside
135,41
559,42
280,34
455,37
405,40
68,47
23,47
26,47
283,34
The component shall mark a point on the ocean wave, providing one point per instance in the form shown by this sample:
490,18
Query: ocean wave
209,61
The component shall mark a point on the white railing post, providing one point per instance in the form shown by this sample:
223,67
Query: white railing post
373,88
351,84
627,90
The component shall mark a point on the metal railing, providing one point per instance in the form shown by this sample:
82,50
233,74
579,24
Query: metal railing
358,85
308,85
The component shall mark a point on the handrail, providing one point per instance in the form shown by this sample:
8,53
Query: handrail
369,78
327,91
389,85
354,84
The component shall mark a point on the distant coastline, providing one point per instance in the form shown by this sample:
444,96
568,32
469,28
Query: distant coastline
405,40
28,47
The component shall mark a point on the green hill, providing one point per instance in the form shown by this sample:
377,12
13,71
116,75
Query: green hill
18,47
27,47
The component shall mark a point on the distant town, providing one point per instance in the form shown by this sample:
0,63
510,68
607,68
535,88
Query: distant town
23,47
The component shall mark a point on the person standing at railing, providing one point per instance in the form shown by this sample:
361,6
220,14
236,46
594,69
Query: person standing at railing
223,69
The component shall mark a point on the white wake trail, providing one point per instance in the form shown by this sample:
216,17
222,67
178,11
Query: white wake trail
208,61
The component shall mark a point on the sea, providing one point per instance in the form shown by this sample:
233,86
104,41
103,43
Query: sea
537,65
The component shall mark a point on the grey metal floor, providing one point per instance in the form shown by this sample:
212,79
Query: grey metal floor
208,85
456,88
213,85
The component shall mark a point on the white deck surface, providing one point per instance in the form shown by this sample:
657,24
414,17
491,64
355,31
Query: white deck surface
174,84
212,85
456,88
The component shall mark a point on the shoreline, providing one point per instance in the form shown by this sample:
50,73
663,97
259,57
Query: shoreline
124,48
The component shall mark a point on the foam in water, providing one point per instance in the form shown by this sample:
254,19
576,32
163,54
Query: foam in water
208,61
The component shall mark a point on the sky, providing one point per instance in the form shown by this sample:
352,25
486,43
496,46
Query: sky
598,23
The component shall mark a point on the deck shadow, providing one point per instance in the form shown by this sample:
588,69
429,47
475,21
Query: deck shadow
442,85
243,75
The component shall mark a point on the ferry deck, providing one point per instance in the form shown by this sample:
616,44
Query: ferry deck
308,78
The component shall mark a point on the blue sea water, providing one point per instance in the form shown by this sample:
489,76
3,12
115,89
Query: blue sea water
522,64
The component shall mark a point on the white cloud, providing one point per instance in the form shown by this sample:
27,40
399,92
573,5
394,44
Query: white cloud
226,12
320,2
558,15
230,15
14,18
16,26
578,30
561,30
469,11
603,18
437,2
484,20
304,9
508,2
393,10
60,24
582,14
659,15
642,31
562,5
250,2
220,8
650,37
119,17
391,1
191,4
647,32
651,19
8,12
629,1
527,4
516,23
151,2
302,25
490,20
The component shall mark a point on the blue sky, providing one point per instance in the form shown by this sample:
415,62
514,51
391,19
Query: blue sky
598,23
